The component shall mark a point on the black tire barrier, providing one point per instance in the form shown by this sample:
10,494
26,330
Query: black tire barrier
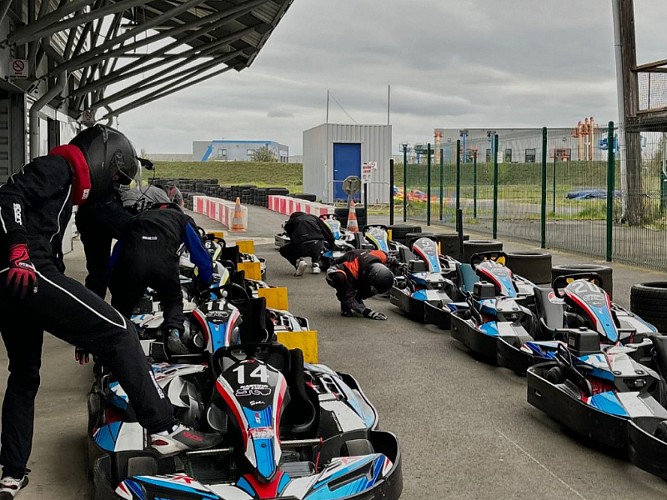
532,265
398,231
471,247
449,244
649,302
305,196
342,212
605,272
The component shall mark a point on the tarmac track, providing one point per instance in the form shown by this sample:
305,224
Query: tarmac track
465,428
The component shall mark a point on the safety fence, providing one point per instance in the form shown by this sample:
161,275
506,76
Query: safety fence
228,213
560,189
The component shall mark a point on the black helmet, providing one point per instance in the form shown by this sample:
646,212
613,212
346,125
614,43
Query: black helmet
380,278
110,156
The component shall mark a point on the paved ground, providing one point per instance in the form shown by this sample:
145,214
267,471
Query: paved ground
465,428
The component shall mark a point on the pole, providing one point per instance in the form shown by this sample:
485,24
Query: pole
405,182
327,106
458,174
611,183
391,192
442,181
428,185
543,211
553,189
459,228
495,186
388,102
474,185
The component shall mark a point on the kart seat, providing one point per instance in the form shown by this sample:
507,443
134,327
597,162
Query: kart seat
254,328
300,415
406,255
551,315
231,254
467,277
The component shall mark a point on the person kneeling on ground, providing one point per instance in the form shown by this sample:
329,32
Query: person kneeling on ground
147,256
358,275
307,234
35,205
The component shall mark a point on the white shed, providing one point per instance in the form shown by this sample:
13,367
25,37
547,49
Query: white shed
332,152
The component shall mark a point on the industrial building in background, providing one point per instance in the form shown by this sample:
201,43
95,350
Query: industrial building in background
229,150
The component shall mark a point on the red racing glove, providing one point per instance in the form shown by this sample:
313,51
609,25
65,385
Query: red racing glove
81,355
21,277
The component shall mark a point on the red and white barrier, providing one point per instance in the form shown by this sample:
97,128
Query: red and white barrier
287,205
219,210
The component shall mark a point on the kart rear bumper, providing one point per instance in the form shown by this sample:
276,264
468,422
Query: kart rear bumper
512,357
420,310
483,345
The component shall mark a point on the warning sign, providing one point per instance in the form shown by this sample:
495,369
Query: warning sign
18,68
367,170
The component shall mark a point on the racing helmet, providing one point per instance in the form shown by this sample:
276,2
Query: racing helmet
111,158
380,278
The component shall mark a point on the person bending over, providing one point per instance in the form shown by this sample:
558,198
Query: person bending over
307,234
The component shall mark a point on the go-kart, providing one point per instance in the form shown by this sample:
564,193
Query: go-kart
495,320
290,430
613,395
425,288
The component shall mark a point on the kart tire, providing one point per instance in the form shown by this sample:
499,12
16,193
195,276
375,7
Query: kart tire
605,272
661,431
535,266
649,302
357,448
472,247
555,375
399,231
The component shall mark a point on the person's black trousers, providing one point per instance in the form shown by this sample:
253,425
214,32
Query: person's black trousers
129,282
71,312
312,249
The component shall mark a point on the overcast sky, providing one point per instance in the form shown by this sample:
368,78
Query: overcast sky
450,64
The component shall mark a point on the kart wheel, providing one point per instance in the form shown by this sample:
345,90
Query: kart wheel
555,375
472,247
661,431
449,244
649,301
535,266
605,273
357,448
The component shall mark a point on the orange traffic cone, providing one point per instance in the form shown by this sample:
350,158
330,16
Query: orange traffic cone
237,219
352,224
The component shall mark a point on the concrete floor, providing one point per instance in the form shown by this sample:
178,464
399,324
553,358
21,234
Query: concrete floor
465,428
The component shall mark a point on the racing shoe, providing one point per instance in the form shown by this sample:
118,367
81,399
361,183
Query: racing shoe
182,438
175,344
316,269
301,266
10,486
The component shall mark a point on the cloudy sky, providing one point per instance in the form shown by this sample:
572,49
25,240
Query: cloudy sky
454,64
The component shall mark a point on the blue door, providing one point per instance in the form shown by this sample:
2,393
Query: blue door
346,162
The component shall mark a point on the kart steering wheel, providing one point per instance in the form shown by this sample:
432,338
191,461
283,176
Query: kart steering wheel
495,256
564,280
328,217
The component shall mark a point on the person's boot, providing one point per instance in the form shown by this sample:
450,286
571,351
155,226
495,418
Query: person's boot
183,438
301,266
175,344
10,486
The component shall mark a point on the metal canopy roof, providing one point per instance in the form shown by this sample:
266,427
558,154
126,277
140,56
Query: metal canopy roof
144,49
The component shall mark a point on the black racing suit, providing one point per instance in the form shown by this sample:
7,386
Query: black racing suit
146,256
348,277
35,208
99,223
307,233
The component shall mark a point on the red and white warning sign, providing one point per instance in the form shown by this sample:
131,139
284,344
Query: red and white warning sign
367,170
18,68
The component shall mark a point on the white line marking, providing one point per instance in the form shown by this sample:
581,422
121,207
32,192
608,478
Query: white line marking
543,466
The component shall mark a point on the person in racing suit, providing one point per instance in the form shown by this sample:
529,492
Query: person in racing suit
307,234
147,256
35,208
358,275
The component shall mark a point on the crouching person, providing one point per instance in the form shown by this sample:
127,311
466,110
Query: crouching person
146,256
358,275
307,234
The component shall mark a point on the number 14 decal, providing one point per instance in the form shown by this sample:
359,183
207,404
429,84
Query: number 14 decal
260,373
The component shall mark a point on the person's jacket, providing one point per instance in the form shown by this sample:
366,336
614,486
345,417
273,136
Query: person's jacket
153,237
35,209
355,264
302,227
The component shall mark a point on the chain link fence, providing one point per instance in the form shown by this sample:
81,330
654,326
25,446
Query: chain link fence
581,190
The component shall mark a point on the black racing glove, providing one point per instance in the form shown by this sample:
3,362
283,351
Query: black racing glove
374,315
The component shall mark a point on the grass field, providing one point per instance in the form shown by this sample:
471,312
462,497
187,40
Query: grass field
262,174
